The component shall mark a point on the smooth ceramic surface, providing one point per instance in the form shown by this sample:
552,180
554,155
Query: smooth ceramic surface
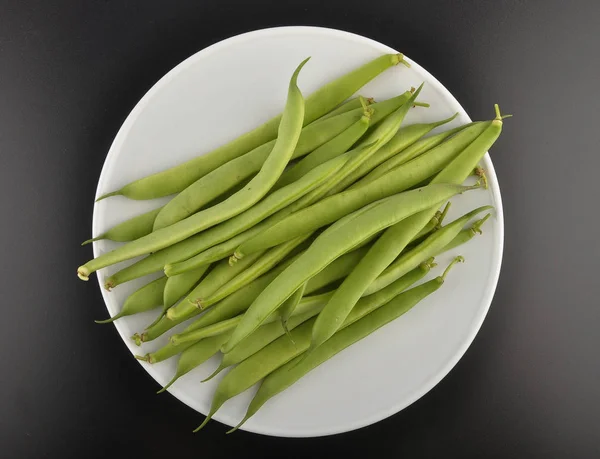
229,88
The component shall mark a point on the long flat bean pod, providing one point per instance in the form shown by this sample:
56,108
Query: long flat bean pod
289,132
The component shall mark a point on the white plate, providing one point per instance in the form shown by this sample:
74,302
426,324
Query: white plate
231,87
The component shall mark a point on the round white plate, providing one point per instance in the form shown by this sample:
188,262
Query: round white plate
231,87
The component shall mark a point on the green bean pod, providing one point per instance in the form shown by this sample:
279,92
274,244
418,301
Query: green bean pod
193,356
347,106
335,207
282,350
180,285
286,375
217,278
334,242
318,104
265,335
260,267
148,297
414,150
467,234
336,146
219,274
376,270
310,305
289,132
398,149
216,182
129,230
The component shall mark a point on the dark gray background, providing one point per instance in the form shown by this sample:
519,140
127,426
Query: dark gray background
70,72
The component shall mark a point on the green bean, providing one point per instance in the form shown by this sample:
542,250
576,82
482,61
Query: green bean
265,335
378,138
347,106
194,356
271,204
282,350
334,242
206,188
414,150
148,297
217,278
219,274
397,149
329,150
129,230
261,266
318,104
286,375
467,234
177,287
289,132
238,301
376,271
334,207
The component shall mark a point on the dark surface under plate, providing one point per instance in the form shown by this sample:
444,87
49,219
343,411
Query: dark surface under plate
70,72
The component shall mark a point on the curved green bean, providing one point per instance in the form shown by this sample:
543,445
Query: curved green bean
318,104
289,132
336,146
216,182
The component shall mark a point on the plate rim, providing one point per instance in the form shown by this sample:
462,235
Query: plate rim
494,188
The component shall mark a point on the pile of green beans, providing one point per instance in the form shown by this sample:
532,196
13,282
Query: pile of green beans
296,240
